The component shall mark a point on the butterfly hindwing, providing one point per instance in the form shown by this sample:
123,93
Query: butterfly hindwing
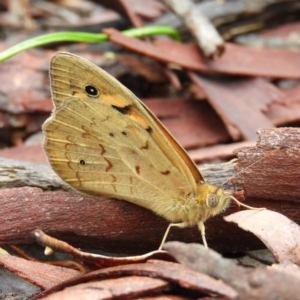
98,150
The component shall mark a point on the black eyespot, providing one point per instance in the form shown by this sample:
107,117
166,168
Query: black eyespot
149,129
111,134
91,90
82,162
124,133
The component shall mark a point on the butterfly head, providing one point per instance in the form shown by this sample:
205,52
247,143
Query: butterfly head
213,199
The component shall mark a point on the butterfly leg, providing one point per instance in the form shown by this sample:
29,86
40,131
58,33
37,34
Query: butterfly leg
202,230
180,225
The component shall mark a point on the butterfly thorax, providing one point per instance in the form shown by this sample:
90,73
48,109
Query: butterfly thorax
195,208
213,200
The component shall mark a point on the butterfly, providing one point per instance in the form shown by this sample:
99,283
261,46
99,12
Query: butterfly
102,140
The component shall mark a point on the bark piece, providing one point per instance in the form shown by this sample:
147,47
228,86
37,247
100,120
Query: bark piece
40,274
237,60
113,226
13,286
16,173
146,67
278,233
289,111
171,272
33,154
135,20
258,283
276,176
16,127
21,82
224,151
120,288
238,109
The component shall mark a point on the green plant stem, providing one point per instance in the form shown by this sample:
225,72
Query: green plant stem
67,36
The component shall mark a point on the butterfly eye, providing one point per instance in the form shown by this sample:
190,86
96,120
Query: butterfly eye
82,162
124,132
91,90
212,200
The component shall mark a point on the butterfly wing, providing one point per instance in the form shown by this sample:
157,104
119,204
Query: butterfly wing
188,162
98,150
70,75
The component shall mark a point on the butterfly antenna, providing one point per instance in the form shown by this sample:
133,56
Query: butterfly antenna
245,205
251,165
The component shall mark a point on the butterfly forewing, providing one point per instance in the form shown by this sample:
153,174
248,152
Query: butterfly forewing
71,74
182,153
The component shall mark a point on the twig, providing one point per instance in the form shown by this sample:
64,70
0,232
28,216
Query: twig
206,35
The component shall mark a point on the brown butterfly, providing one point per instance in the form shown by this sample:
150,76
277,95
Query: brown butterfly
102,140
